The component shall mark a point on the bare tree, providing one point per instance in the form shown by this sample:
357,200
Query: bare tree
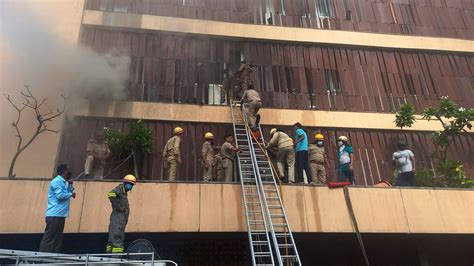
31,102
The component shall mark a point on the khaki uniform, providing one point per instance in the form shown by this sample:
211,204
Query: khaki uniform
208,157
244,75
285,154
228,156
219,168
172,155
97,153
317,157
251,105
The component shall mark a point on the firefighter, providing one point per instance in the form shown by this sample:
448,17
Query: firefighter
251,103
208,157
228,152
172,154
97,152
244,75
119,216
219,170
318,159
285,153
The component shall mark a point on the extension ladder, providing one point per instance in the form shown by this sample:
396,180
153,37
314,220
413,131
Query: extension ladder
260,189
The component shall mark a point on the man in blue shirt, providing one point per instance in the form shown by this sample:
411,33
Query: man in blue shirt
302,161
59,194
345,156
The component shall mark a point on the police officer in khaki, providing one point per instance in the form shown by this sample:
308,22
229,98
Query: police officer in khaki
285,153
317,159
97,152
251,103
228,152
219,170
208,160
172,154
244,75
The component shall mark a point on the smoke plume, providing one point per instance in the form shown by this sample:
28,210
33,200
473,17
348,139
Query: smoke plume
51,66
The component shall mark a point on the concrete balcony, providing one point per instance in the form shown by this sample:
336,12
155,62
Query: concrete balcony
195,207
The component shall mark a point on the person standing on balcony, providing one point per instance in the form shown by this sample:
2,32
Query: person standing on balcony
404,160
61,190
318,159
97,152
285,153
208,160
251,103
244,75
228,152
119,217
172,153
302,162
345,156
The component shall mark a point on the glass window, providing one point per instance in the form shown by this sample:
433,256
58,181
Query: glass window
332,81
324,8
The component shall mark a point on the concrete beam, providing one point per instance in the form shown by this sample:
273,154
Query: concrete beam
273,33
194,207
221,114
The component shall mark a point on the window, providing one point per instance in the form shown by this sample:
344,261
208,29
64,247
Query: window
332,81
216,95
324,8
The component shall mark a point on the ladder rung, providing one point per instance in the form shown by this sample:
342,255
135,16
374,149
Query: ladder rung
285,245
282,235
274,206
262,253
280,225
277,215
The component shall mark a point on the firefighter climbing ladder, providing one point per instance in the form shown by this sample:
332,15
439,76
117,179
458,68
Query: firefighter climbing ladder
267,189
260,247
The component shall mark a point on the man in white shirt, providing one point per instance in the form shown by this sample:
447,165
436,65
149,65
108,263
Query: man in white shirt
404,159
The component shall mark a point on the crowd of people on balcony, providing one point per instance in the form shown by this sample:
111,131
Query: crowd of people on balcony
295,159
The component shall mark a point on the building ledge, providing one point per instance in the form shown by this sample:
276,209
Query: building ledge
198,207
273,33
221,114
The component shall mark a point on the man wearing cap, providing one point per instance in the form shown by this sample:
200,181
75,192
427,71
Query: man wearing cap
228,152
244,75
251,103
318,159
119,217
60,192
285,153
404,159
97,152
172,154
345,156
208,157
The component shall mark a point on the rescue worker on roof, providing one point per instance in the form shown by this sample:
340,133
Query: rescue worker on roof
318,159
285,153
251,103
172,154
208,157
244,75
119,216
228,152
97,152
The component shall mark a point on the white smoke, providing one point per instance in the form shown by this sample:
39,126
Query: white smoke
52,66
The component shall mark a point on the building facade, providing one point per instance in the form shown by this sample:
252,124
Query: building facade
338,67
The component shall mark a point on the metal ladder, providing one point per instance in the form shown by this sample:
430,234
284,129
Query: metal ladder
269,195
257,228
283,241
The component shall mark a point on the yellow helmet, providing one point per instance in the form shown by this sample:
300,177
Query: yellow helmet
272,131
343,138
178,130
130,179
319,136
208,135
